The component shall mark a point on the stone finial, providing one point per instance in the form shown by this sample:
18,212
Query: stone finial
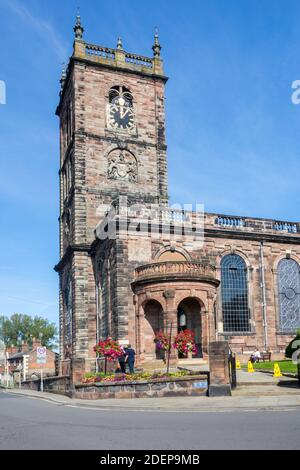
119,44
63,76
78,28
156,47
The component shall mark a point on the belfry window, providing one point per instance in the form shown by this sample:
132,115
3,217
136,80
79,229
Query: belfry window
289,295
234,288
120,92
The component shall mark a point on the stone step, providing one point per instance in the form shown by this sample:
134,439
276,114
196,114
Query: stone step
264,390
192,362
155,365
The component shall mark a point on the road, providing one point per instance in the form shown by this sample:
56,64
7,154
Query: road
27,423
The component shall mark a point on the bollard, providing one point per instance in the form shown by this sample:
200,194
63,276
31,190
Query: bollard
277,371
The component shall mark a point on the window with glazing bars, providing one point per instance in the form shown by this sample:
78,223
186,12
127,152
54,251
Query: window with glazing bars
289,295
234,288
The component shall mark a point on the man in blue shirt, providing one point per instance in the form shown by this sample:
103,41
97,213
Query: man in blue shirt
130,357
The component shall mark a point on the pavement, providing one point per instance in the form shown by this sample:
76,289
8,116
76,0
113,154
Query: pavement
257,391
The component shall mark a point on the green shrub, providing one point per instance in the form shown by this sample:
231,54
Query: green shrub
290,349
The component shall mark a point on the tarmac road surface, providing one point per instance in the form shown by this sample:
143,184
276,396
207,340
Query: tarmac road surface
27,423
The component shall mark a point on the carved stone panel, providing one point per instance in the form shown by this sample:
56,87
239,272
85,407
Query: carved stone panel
122,165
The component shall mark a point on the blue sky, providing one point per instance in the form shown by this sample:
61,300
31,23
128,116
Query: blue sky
233,132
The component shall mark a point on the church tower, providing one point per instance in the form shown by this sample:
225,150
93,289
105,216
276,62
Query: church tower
112,144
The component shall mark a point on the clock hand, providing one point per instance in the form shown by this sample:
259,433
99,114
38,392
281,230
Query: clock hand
124,114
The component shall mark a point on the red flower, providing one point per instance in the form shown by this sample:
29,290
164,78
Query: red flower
162,341
108,348
184,342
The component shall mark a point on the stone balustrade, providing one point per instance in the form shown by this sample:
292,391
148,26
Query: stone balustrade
227,221
92,50
138,60
286,227
118,57
199,222
175,269
250,224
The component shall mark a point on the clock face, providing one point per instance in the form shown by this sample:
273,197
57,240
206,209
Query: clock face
121,115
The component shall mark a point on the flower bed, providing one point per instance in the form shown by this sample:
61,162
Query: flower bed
142,376
142,385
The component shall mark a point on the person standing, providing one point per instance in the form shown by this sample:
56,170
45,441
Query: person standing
130,358
122,361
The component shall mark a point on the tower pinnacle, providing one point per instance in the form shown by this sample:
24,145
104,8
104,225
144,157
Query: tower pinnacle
78,28
120,44
156,47
63,77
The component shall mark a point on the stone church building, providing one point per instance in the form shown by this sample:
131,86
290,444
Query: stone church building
130,265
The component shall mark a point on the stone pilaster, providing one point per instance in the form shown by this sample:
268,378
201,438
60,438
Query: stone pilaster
218,366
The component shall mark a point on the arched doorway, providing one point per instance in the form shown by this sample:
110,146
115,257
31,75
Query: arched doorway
153,323
189,318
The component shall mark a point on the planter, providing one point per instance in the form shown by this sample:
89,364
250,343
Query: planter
169,387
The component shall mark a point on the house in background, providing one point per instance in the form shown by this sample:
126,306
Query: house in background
24,358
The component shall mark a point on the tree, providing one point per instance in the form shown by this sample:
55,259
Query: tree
18,328
293,346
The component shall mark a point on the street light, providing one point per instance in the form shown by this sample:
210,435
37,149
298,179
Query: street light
169,327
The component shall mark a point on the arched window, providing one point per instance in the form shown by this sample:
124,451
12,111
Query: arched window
118,92
234,288
289,295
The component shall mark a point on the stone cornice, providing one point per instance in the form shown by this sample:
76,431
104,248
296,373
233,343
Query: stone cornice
109,137
258,236
81,248
117,68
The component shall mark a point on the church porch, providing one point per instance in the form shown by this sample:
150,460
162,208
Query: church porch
173,296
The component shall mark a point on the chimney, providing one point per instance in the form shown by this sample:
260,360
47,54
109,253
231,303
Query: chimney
24,347
12,350
36,343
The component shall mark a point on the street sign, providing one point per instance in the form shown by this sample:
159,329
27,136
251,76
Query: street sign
41,355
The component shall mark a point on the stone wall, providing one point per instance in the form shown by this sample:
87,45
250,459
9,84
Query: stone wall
60,385
195,386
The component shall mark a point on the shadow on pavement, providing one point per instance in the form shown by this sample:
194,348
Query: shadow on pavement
293,383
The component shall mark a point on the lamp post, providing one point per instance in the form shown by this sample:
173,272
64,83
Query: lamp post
6,368
2,354
170,327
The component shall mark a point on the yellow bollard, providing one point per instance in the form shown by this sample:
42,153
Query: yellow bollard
238,364
277,371
250,367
